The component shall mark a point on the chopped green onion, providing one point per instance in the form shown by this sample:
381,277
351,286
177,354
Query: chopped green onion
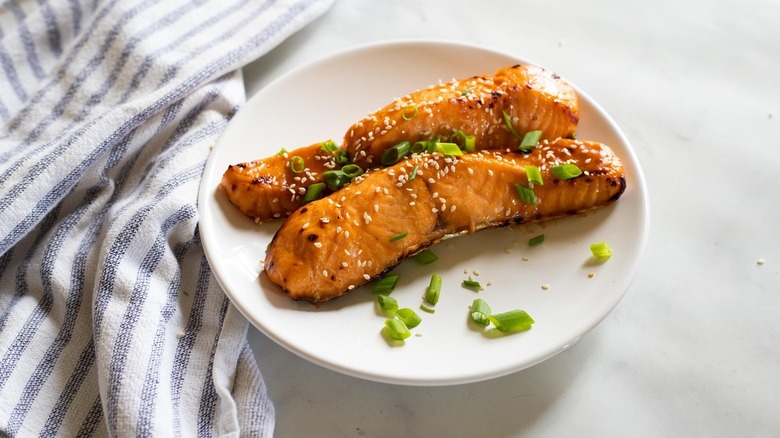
467,91
329,146
413,174
397,329
526,194
536,240
425,257
342,157
434,289
566,171
419,147
464,142
512,321
335,179
508,123
398,237
313,192
407,115
533,174
387,303
409,318
386,284
480,312
352,171
431,145
471,143
427,309
530,140
395,153
282,151
601,250
297,164
472,285
448,149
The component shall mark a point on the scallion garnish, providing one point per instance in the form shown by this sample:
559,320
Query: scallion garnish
471,284
425,257
566,171
419,147
480,312
431,145
282,151
409,115
530,140
387,303
313,192
398,236
396,329
342,157
508,123
329,146
335,179
409,317
386,284
464,142
536,240
434,290
512,321
467,91
413,173
601,250
352,171
297,164
526,194
448,149
533,174
395,153
426,309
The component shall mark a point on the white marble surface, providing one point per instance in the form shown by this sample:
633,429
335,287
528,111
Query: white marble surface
694,347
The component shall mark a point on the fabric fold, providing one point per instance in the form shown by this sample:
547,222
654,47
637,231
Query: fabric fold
111,322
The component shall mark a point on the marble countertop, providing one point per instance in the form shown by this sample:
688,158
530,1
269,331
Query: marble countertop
693,348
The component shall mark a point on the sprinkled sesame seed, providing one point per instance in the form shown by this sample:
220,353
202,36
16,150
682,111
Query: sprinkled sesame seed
508,250
324,273
760,261
318,244
490,283
591,274
366,276
431,180
324,220
545,286
305,226
525,258
346,234
476,273
351,286
344,264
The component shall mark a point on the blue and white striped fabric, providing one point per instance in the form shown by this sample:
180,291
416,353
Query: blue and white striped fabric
111,323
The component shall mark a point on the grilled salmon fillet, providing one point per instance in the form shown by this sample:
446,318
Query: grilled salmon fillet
534,99
331,246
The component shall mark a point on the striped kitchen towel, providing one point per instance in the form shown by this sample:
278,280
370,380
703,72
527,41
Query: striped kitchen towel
111,322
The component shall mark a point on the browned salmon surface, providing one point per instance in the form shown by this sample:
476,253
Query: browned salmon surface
333,245
269,188
533,98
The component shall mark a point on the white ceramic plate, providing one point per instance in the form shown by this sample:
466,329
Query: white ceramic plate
319,102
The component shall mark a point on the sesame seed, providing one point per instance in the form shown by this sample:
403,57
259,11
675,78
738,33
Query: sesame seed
545,286
366,276
324,273
490,283
305,226
760,261
476,273
324,220
318,244
525,258
346,234
431,180
591,274
351,286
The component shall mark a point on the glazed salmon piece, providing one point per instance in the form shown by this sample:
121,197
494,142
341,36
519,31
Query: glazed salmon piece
534,99
333,245
269,188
